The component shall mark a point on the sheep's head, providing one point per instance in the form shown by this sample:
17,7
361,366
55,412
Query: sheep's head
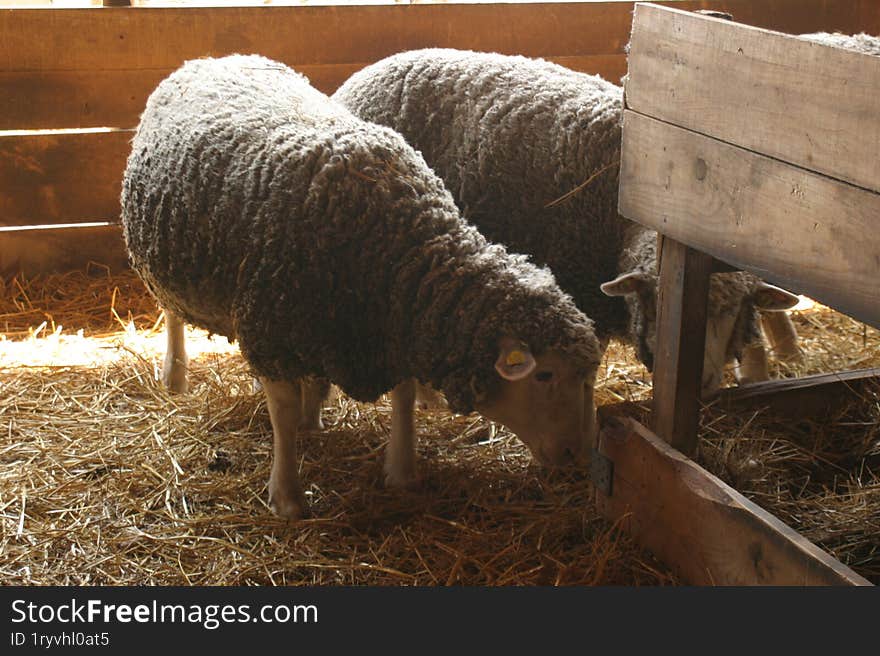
546,400
732,323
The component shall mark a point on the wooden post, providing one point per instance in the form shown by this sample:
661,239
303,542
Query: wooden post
682,300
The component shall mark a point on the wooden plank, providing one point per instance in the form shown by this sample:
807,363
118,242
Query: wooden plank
702,528
801,398
53,250
801,230
116,98
305,35
84,88
682,301
809,104
80,39
61,178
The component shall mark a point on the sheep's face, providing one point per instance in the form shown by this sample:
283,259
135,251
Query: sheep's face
546,401
732,319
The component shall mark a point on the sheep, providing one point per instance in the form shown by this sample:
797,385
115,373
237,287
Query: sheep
257,208
530,151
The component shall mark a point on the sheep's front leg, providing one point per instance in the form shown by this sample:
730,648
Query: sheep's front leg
176,362
314,393
285,405
753,366
400,455
782,336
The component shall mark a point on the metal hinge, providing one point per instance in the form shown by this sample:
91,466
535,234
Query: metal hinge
601,472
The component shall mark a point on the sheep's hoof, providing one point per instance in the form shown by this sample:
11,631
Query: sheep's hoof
401,478
174,378
287,501
311,425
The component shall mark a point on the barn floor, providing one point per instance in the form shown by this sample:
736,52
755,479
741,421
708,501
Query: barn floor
107,479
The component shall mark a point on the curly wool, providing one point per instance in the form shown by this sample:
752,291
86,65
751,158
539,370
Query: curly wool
259,209
509,136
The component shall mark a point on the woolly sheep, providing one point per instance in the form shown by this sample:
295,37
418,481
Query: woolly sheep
257,208
511,136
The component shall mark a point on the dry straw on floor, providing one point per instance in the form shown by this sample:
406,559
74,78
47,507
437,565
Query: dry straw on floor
106,478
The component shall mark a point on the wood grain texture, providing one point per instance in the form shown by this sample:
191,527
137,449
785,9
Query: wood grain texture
702,528
809,104
682,302
802,398
116,98
55,250
801,230
302,35
345,34
539,29
61,178
110,61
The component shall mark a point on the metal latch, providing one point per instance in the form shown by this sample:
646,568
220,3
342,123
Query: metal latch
601,472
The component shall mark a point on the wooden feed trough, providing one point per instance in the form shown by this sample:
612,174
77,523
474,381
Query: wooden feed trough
69,101
759,149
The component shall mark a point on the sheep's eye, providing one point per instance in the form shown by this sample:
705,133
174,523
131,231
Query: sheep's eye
544,376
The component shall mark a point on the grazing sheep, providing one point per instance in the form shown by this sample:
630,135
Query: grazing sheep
530,151
257,208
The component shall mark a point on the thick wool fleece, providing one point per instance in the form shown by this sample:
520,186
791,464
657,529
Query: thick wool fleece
510,135
256,207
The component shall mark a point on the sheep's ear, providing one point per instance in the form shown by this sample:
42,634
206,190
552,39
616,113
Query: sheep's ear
773,299
515,360
634,282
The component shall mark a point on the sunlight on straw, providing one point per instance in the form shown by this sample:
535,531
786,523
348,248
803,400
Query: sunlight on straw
804,304
58,349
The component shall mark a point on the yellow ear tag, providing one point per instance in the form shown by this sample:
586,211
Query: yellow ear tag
515,358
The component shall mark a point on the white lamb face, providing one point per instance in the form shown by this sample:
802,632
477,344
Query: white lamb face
731,324
546,402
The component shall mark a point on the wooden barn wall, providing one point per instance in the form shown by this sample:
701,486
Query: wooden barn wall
66,70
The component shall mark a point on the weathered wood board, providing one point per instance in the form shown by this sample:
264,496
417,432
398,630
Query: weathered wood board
95,67
798,229
61,249
116,98
702,528
805,397
682,304
62,178
805,103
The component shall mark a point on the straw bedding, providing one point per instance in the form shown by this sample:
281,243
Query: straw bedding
105,478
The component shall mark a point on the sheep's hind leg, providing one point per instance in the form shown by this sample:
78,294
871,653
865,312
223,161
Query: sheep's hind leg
314,392
400,454
286,496
176,363
427,398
